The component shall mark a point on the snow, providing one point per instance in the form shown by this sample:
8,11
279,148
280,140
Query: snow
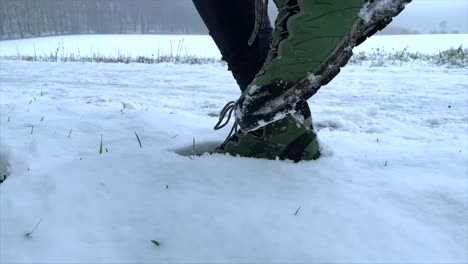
392,185
370,9
428,44
201,46
114,45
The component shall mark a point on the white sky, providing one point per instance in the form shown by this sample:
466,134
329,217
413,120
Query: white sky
426,15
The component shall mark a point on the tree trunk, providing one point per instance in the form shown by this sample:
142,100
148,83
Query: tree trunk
18,22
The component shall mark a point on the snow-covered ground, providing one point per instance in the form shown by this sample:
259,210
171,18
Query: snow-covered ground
392,186
202,46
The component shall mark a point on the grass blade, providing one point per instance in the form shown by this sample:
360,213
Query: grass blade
193,147
100,147
138,138
28,235
297,211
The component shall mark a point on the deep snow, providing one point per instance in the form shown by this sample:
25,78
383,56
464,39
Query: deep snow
391,188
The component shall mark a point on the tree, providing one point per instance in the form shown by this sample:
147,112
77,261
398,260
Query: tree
24,18
443,27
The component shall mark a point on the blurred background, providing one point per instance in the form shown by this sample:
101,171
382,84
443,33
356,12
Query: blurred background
33,18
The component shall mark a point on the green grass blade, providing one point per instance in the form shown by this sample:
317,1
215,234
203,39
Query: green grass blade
138,138
100,147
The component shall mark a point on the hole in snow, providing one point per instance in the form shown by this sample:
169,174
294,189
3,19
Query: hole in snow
200,148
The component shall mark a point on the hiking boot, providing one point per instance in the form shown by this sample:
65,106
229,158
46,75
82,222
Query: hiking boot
312,40
291,137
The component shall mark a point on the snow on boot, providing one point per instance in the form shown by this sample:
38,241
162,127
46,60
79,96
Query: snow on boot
312,40
292,137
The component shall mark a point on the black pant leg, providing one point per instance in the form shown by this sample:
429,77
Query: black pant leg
230,24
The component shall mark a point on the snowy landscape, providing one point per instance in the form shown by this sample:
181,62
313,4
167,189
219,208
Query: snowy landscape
97,160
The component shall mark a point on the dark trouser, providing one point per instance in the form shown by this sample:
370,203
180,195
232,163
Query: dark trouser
231,23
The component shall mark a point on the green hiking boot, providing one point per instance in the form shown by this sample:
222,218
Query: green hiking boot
312,40
291,137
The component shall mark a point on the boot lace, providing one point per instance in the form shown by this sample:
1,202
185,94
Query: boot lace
226,113
261,11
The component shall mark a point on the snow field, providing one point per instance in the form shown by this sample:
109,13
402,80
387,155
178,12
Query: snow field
391,187
194,45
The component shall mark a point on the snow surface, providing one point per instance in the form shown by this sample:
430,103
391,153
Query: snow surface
202,46
392,186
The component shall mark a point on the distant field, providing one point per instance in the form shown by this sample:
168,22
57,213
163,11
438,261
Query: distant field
190,45
114,45
200,49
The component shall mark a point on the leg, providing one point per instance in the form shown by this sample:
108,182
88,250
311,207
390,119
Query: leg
230,24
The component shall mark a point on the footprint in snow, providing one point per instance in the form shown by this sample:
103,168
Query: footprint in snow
198,148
